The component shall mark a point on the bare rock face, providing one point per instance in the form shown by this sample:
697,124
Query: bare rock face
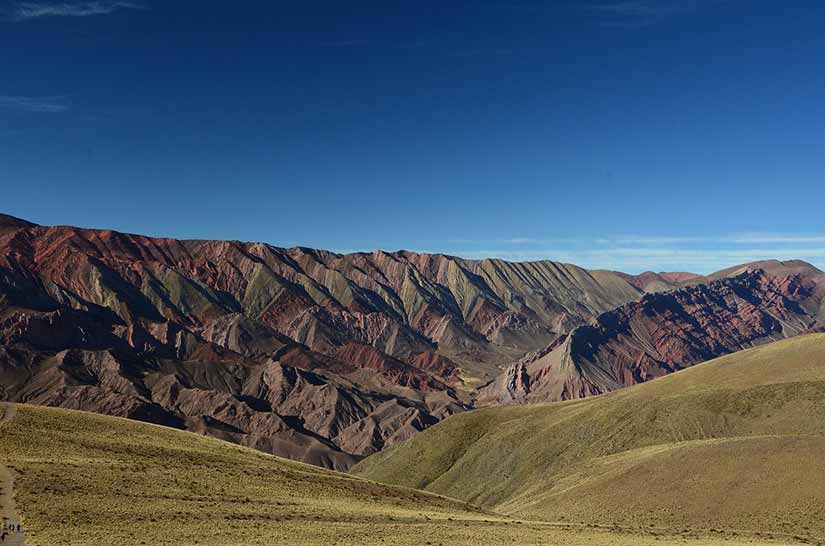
666,332
309,354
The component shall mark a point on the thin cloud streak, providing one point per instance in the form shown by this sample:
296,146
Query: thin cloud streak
640,240
642,13
657,259
776,239
49,105
24,11
629,9
635,259
516,241
633,240
635,253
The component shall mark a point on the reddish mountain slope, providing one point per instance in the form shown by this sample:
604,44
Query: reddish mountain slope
305,353
650,282
666,332
326,357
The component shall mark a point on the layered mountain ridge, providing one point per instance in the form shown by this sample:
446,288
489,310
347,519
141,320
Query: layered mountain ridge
305,353
665,332
328,358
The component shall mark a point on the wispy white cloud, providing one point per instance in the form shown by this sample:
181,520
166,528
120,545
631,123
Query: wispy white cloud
736,239
23,11
516,241
629,8
636,253
637,240
52,105
637,259
641,13
634,259
757,238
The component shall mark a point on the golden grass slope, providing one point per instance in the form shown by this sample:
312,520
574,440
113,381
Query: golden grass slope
90,479
11,533
737,443
86,479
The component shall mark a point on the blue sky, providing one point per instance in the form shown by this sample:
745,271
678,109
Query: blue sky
623,134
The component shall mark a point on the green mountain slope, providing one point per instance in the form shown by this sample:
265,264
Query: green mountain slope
735,443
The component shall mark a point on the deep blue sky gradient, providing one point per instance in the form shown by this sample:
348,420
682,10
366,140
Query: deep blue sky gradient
671,134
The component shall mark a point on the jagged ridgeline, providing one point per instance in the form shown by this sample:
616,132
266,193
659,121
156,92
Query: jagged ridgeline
309,354
327,358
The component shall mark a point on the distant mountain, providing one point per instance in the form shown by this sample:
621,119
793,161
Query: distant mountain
305,353
668,331
650,282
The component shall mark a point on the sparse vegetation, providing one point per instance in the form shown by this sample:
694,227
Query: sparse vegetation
86,479
736,444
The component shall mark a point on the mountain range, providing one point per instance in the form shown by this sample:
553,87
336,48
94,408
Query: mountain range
327,358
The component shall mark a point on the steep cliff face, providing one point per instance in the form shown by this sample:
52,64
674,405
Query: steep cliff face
666,332
305,353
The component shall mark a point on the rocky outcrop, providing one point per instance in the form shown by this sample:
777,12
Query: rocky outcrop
666,332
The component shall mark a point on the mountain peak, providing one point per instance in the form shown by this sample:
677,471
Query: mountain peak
9,223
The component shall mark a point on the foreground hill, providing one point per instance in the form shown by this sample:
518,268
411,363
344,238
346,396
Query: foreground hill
92,480
735,443
317,356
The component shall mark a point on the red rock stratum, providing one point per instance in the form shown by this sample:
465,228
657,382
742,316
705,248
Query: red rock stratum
327,357
305,353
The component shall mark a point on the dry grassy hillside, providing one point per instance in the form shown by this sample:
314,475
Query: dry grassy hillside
737,443
85,479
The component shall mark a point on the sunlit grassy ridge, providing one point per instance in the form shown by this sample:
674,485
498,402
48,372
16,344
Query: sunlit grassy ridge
86,479
734,444
100,480
714,454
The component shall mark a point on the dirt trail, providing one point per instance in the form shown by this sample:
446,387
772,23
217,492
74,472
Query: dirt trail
11,530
